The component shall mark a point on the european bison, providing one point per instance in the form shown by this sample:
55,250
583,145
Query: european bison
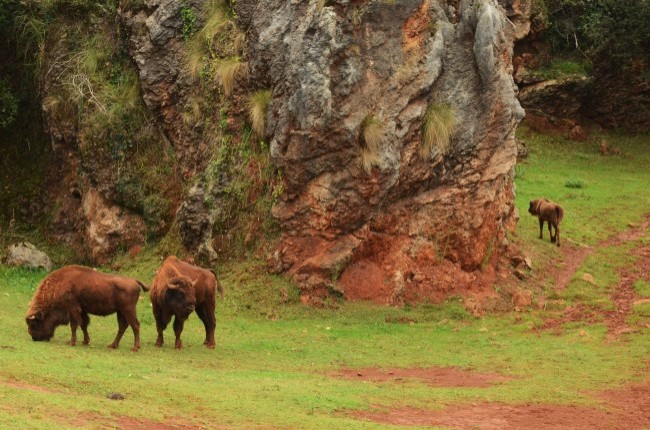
549,212
180,288
69,294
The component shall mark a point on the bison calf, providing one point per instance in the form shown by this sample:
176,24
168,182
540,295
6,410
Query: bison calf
178,289
69,294
550,212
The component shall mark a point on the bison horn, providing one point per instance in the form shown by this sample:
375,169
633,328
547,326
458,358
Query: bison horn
31,317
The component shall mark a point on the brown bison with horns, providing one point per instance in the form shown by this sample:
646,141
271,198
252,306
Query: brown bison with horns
69,294
178,289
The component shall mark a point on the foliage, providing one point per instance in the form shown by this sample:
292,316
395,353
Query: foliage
258,104
188,18
8,104
370,136
611,33
439,125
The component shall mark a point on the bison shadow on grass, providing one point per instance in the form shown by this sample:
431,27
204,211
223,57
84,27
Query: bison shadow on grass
70,294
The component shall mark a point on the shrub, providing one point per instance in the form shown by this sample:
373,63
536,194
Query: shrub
8,104
439,125
258,104
370,140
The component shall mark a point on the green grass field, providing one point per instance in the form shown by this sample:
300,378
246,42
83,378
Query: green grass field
274,361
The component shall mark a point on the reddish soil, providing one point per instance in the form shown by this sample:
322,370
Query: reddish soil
623,296
625,409
126,423
435,376
23,386
617,414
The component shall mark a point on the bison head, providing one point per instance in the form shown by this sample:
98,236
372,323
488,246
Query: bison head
39,326
532,207
180,296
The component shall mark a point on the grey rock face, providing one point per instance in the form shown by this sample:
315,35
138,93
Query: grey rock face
26,254
159,52
332,67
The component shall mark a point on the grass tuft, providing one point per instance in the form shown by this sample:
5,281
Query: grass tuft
227,70
258,104
439,125
370,142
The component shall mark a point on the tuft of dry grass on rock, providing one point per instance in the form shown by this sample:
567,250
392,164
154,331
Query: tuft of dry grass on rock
370,142
258,104
440,123
227,70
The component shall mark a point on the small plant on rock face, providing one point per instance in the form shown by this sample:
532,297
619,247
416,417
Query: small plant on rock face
258,105
370,141
227,70
189,19
439,125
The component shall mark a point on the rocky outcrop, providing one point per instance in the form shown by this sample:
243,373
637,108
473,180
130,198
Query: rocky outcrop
392,220
109,226
435,220
27,255
159,52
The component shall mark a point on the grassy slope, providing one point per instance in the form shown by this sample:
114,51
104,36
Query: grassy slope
271,365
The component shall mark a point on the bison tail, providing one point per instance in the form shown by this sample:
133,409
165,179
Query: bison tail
143,286
219,286
560,213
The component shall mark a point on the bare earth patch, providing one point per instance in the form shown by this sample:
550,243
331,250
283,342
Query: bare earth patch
126,423
623,297
624,409
434,376
22,386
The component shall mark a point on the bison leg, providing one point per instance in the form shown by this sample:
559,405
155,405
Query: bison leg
550,232
162,319
557,234
132,319
206,313
541,227
122,325
73,327
178,329
75,321
85,320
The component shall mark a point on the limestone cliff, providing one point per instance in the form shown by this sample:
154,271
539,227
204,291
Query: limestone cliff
385,155
419,223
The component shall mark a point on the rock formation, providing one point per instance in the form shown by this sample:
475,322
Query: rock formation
390,129
435,222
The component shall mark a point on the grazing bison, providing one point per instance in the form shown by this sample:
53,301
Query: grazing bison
69,294
549,212
180,288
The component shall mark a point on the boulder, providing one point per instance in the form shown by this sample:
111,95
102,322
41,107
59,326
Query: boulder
26,254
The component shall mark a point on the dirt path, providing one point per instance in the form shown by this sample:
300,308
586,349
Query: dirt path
624,409
623,297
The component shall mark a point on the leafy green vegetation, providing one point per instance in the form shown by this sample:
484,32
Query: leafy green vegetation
8,104
609,33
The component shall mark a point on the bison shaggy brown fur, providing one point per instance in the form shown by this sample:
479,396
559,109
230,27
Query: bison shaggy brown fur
550,212
69,294
178,289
